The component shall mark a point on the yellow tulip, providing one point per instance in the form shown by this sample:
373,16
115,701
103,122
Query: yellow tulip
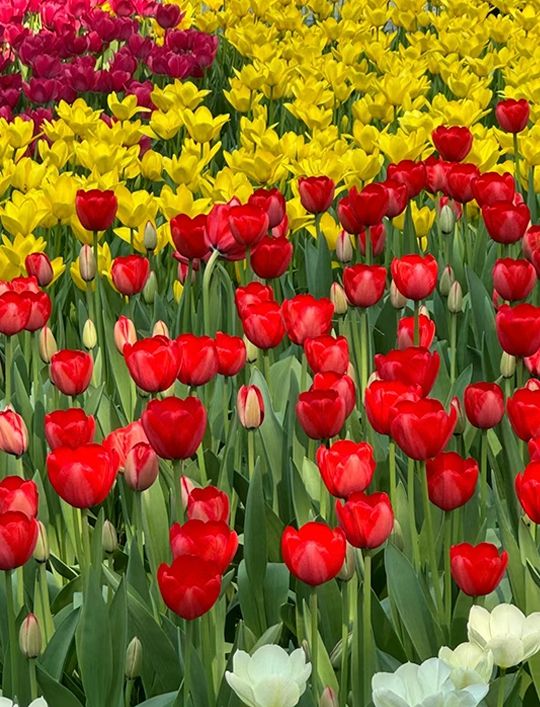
125,108
181,201
23,213
202,126
135,208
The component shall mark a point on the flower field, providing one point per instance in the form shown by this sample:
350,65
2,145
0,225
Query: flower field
270,353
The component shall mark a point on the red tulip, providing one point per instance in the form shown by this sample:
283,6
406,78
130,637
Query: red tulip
69,428
189,236
477,569
219,234
208,504
513,279
304,317
189,586
364,284
39,266
15,310
326,353
375,236
96,209
231,354
343,385
422,428
130,273
197,359
523,409
82,477
16,494
18,537
370,203
348,216
518,329
437,174
528,490
13,433
484,404
415,275
250,406
413,366
152,363
459,180
321,413
168,16
398,196
451,480
122,440
381,396
141,467
491,187
410,173
512,115
273,202
253,293
124,333
248,224
175,426
346,467
71,371
314,553
211,541
452,143
263,325
533,447
405,332
271,257
506,222
40,310
316,193
367,519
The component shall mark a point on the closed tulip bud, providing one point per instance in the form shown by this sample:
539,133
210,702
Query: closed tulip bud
47,344
13,433
41,551
250,405
109,537
338,298
87,263
160,329
455,298
397,300
344,249
150,289
328,698
150,236
446,281
124,333
508,365
30,637
133,659
252,352
447,219
349,565
141,468
39,265
89,335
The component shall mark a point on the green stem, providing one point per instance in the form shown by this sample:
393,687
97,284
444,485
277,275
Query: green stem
432,558
251,453
416,331
364,349
517,178
208,268
447,573
366,626
127,693
78,542
392,471
344,644
202,465
85,531
188,646
314,643
48,624
35,369
138,522
501,690
33,680
412,514
303,374
483,472
12,632
453,338
9,368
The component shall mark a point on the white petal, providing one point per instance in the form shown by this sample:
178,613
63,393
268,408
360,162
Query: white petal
241,661
506,620
276,692
478,626
383,697
242,688
40,702
506,651
268,660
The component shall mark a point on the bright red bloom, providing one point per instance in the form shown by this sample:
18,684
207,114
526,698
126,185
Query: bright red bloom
437,174
130,273
321,413
197,359
18,537
13,433
346,467
40,310
477,569
381,396
122,440
96,209
314,553
459,181
69,428
405,332
253,293
189,236
410,173
347,215
375,236
364,284
263,325
484,404
491,187
415,275
316,193
343,385
398,196
273,202
189,586
219,234
271,257
513,279
141,467
528,490
370,203
208,503
304,317
367,519
506,222
71,371
175,426
518,329
212,541
413,366
231,354
523,409
326,353
152,363
15,310
16,494
512,115
452,143
248,224
451,480
39,266
84,476
422,428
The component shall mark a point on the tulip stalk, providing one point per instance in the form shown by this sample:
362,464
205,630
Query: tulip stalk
453,339
343,678
412,513
416,331
483,470
366,626
447,571
188,641
8,369
208,269
392,472
12,630
251,453
432,558
516,163
313,608
501,691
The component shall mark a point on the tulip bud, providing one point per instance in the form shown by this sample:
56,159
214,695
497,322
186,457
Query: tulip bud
508,365
124,333
459,429
41,551
347,571
344,249
397,300
455,298
30,637
133,659
141,468
338,298
47,344
447,219
89,335
87,263
13,433
150,237
39,265
250,405
109,537
446,281
150,289
252,352
328,698
160,329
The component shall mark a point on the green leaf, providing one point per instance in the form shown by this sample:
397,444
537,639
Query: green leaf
255,531
56,653
54,693
160,701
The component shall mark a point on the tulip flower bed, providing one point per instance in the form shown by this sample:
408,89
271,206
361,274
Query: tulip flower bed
270,354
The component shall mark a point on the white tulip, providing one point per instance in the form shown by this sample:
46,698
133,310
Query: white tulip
426,685
5,702
470,664
511,636
270,677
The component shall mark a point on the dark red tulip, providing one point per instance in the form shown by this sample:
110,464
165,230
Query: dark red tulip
152,363
506,222
364,284
263,325
459,181
253,293
82,477
18,537
69,428
410,173
271,257
523,409
398,196
381,396
413,366
484,404
96,209
16,494
367,519
518,329
231,354
208,504
175,426
326,353
405,332
273,202
39,266
314,553
168,16
304,317
415,275
491,187
528,490
370,203
212,541
321,413
512,115
477,569
122,440
15,310
71,371
376,238
189,236
422,428
316,193
452,143
346,467
248,224
513,279
343,385
219,234
130,273
197,359
189,586
451,480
